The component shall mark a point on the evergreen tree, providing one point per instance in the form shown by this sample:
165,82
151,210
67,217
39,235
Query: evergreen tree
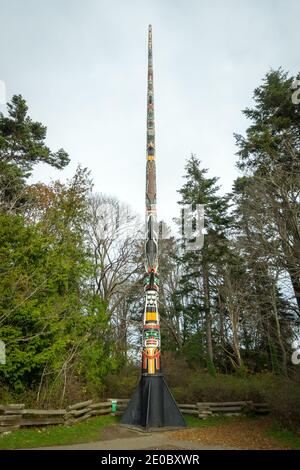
22,145
199,264
269,155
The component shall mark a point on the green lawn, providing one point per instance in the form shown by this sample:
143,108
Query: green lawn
87,431
194,422
284,436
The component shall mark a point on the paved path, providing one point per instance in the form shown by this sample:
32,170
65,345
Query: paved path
135,440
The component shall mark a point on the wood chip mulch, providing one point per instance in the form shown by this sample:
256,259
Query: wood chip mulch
238,433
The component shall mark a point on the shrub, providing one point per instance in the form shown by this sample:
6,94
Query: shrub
204,387
284,402
122,384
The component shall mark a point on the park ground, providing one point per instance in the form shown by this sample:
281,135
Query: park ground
105,433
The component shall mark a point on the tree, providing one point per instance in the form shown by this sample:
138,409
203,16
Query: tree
50,318
258,246
22,145
113,237
199,189
269,155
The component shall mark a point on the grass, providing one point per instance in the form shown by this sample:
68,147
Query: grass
194,422
284,436
87,431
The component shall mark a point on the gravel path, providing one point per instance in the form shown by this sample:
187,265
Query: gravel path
119,438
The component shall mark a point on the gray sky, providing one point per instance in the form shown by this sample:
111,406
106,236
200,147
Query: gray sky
81,65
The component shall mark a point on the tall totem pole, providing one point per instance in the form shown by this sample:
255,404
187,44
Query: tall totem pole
151,326
152,404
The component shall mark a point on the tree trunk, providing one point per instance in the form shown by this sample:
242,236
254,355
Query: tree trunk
208,321
233,311
278,330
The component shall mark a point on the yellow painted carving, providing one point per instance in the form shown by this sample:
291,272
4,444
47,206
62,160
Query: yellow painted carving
151,316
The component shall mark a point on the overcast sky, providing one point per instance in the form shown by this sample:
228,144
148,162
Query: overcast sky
82,64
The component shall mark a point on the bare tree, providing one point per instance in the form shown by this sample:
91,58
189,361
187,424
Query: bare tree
114,234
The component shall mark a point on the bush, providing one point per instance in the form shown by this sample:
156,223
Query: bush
122,384
284,402
175,369
204,387
191,386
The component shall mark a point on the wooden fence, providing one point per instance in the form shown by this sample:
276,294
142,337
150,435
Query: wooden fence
231,408
14,416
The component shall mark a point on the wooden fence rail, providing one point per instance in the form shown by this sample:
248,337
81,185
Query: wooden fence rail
14,416
233,408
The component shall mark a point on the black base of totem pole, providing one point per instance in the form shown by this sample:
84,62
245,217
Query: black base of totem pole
152,406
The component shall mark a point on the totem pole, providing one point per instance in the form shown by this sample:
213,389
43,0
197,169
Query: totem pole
151,326
152,404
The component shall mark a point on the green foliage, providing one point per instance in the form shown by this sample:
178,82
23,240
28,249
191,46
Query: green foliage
54,326
222,307
275,126
202,387
22,145
22,257
286,437
22,140
198,266
51,321
122,383
284,401
269,156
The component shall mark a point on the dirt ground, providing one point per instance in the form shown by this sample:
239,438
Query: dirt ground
240,434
